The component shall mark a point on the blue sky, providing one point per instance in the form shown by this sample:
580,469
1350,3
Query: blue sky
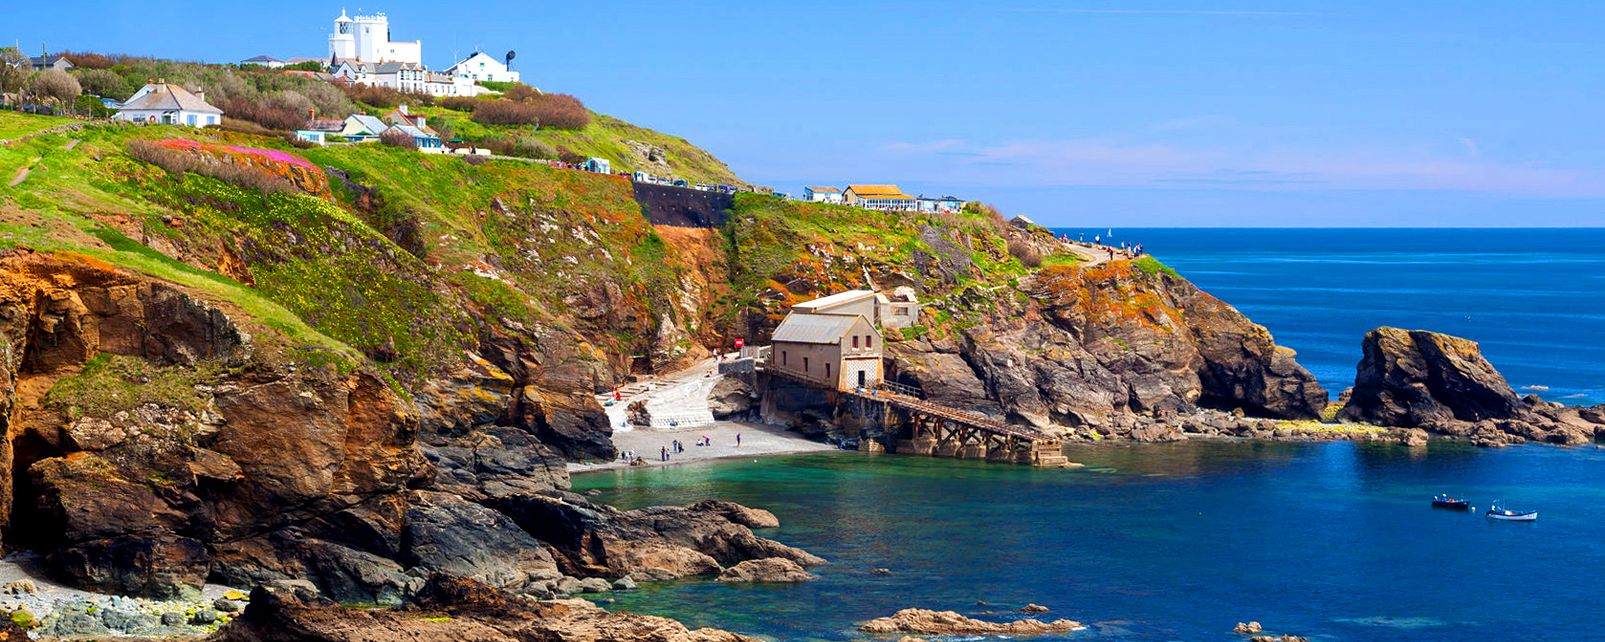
1077,112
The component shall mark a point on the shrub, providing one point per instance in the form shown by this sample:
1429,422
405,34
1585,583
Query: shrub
496,85
505,112
104,83
993,216
374,96
91,106
178,162
560,111
520,92
1025,252
306,65
459,103
14,69
443,128
56,85
91,60
402,228
522,147
394,137
280,110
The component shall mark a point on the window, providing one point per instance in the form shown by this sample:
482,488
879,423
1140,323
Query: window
190,120
805,364
860,378
869,341
782,357
827,370
855,343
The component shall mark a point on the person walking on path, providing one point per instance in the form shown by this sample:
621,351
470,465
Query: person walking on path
663,453
738,440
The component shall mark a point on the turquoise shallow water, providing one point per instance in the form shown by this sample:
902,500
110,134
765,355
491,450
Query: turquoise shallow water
1164,542
1534,299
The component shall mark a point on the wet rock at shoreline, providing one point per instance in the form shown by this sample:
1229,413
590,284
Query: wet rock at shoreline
659,542
928,622
450,609
770,570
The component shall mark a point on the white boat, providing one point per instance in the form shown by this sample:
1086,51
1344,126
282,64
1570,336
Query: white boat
1507,515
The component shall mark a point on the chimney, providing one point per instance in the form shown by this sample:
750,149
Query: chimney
402,109
201,94
312,113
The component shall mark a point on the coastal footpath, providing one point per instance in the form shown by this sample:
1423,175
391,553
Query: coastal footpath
357,375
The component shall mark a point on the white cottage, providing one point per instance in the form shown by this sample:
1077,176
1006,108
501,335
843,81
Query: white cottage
482,66
162,103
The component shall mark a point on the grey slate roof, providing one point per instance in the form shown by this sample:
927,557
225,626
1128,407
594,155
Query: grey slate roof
814,328
163,96
414,131
370,123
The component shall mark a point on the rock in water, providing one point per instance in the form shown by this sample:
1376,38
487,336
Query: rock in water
1415,378
1034,608
1442,384
1247,628
773,569
928,622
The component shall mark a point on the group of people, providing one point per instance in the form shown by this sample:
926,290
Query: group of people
1133,249
666,453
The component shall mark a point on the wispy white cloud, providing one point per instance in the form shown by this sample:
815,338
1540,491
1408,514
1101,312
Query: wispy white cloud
1471,147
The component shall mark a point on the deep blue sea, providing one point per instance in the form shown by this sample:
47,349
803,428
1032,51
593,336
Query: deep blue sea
1533,298
1335,541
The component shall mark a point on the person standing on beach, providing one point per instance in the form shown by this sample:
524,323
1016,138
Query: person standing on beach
663,453
738,440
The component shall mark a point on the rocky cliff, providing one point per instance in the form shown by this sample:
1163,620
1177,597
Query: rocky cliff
1442,384
159,440
1096,348
362,366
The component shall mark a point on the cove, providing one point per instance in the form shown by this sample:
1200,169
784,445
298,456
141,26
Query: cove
1334,541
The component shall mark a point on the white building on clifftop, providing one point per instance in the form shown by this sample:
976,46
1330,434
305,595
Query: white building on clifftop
367,39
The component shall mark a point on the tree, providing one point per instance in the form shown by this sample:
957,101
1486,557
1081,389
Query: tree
57,85
91,106
14,69
397,138
104,83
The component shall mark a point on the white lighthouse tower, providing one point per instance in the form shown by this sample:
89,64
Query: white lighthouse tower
343,41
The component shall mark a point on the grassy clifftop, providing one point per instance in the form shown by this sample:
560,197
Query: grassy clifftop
413,260
629,147
409,259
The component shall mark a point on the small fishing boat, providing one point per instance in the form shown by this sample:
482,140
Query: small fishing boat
1450,503
1507,515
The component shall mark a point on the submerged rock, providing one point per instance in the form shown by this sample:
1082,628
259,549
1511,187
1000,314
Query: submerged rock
930,622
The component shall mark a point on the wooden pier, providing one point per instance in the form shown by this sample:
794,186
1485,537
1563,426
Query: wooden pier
943,431
917,426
